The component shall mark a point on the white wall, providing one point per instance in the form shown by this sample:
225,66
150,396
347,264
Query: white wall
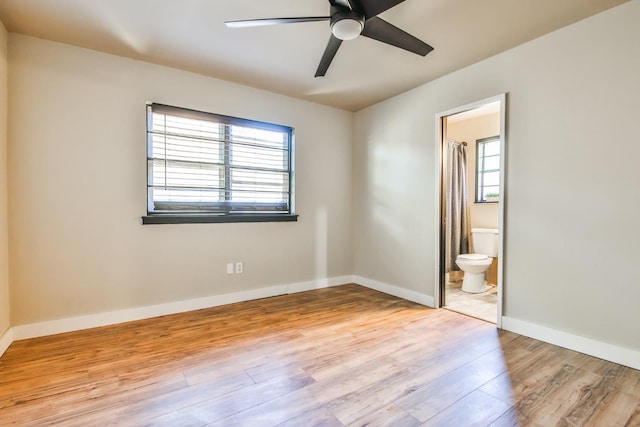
572,117
4,254
78,189
482,215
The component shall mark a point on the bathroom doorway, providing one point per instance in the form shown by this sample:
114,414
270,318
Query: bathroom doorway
471,197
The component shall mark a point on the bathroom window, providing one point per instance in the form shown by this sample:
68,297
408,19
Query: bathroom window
488,169
204,167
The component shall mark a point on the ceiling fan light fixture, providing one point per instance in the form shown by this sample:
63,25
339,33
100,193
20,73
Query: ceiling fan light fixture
347,28
349,19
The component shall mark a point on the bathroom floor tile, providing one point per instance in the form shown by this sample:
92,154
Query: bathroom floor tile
482,305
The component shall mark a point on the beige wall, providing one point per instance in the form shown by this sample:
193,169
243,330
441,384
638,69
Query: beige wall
4,254
572,115
483,215
78,189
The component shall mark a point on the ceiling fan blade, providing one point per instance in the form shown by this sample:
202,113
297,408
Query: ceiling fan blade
343,3
273,21
379,29
327,57
373,8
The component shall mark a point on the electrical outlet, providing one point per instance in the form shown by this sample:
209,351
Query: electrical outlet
239,267
229,268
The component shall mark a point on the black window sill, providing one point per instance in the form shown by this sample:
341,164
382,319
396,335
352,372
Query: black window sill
207,219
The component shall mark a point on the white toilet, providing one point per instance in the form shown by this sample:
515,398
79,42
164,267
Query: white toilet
485,245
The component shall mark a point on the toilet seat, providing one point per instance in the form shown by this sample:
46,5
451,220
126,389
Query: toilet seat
473,257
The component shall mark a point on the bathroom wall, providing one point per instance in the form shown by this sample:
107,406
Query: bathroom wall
571,141
483,215
78,189
4,249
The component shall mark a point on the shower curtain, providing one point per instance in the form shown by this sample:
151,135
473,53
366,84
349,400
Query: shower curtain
456,204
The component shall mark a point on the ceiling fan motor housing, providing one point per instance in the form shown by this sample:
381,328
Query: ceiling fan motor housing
346,24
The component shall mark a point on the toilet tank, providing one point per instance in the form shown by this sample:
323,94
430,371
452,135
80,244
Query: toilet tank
485,241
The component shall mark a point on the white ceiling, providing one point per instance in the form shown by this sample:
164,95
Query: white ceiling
484,110
191,35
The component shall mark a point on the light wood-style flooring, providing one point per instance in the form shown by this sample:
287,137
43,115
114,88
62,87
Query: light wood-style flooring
331,357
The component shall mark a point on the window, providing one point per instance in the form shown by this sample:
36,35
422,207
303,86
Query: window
488,169
204,167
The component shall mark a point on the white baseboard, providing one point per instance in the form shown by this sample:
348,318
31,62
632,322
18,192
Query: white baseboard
396,291
5,340
318,284
53,327
602,350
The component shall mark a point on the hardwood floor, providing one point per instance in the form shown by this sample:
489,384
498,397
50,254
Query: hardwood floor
330,357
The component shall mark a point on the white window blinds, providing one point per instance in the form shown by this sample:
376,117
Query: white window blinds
203,163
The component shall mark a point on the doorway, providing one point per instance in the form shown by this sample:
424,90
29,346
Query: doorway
470,209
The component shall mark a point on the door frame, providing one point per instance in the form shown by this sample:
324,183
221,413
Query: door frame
439,252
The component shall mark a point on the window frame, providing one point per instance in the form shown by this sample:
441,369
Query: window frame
223,216
479,185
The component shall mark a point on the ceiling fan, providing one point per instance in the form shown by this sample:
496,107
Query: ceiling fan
349,19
